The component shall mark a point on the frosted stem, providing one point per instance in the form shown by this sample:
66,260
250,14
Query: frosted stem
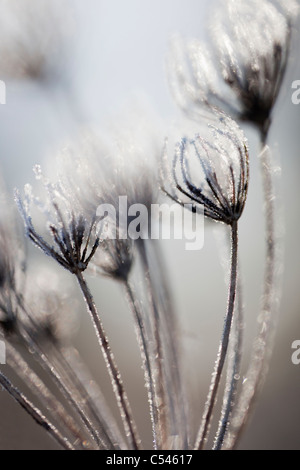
46,364
159,377
70,365
17,363
233,371
172,363
35,413
144,343
216,377
267,315
113,370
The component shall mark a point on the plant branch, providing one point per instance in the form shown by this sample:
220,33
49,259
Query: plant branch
145,353
113,370
216,377
233,372
268,311
159,378
35,413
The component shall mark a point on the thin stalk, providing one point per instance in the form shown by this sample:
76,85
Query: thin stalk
178,401
145,353
78,380
95,401
35,413
263,342
46,364
233,372
216,377
37,386
159,379
118,387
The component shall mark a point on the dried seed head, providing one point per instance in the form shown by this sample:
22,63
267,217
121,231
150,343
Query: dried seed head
34,36
242,72
252,43
213,172
100,169
123,161
73,239
114,259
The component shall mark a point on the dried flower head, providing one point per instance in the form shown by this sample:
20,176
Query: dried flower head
34,38
213,172
243,71
114,258
74,236
120,162
100,170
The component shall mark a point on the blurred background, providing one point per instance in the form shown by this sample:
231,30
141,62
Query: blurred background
112,54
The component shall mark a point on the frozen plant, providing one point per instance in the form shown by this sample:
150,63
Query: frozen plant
34,38
213,173
100,171
241,72
73,244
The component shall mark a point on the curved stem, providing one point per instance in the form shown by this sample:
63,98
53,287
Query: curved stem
159,378
35,413
46,364
175,382
233,373
216,377
145,353
263,342
41,391
113,370
78,380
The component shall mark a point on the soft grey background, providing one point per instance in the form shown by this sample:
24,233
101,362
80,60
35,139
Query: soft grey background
120,50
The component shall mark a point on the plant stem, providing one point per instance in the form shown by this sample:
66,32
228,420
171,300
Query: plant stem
175,382
113,370
216,377
263,342
18,364
233,372
159,378
46,364
90,397
145,353
35,413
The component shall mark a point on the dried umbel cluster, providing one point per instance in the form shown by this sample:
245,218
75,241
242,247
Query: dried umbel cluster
213,172
242,69
35,37
241,73
207,173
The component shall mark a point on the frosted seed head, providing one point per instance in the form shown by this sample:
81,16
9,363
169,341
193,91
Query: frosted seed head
70,237
212,170
252,41
35,38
